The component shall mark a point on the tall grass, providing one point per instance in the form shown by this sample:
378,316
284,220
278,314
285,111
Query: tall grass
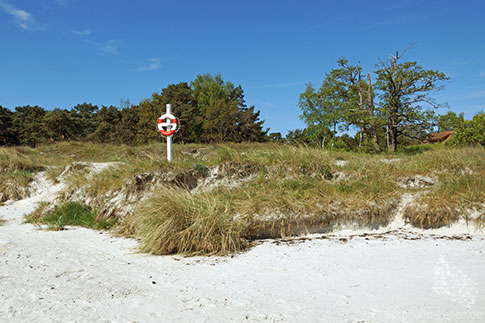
175,221
461,187
17,166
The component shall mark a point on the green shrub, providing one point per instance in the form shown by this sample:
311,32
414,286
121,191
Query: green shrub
199,167
340,145
74,214
472,131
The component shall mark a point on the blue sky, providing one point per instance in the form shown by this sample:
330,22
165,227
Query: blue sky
58,53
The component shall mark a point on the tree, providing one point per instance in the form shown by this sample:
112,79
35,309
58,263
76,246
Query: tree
450,121
358,106
208,89
217,102
471,131
128,123
321,110
345,99
148,111
373,121
248,126
108,126
225,115
275,137
59,125
219,122
181,97
28,123
351,142
298,137
404,86
7,132
84,118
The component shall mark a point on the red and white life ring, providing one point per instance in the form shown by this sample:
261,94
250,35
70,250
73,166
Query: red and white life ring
167,124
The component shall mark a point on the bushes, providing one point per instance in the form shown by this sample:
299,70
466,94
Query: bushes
471,132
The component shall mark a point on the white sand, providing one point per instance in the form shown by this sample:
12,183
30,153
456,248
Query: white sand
80,275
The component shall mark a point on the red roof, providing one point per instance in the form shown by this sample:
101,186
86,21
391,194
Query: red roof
442,136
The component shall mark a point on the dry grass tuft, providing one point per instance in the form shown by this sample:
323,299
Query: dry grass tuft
175,221
36,216
432,215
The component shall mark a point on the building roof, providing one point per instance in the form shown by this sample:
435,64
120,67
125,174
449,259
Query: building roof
442,136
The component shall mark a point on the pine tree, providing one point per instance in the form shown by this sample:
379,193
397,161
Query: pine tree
29,125
7,132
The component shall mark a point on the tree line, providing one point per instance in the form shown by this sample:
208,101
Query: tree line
387,113
209,109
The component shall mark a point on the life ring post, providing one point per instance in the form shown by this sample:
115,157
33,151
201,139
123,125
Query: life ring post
167,125
169,138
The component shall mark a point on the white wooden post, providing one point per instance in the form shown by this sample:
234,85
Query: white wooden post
169,138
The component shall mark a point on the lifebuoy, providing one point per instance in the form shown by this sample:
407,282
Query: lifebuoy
170,124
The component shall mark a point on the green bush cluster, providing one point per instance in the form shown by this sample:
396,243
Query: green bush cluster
471,132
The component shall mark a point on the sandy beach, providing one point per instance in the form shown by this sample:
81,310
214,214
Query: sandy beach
82,275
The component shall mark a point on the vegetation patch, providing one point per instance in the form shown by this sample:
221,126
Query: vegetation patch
459,189
69,214
431,215
18,166
16,172
218,199
175,221
273,205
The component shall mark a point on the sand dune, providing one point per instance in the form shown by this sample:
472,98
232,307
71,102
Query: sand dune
81,275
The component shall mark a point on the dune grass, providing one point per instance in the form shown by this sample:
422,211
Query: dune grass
17,166
293,190
297,190
277,203
176,221
460,188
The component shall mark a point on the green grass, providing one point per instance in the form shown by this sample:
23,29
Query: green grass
70,214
